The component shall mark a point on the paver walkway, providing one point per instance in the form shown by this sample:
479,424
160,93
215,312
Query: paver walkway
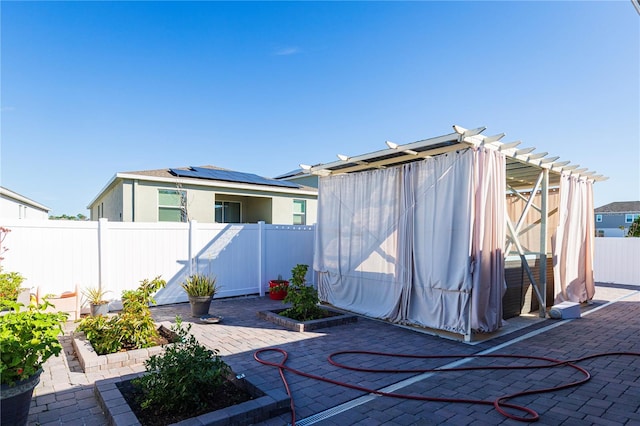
612,396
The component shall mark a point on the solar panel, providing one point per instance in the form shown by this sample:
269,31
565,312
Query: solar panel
231,176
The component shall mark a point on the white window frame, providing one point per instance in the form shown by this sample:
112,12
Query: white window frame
181,207
215,205
302,215
630,217
598,218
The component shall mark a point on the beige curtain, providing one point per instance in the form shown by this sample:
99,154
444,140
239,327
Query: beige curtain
487,250
419,244
573,243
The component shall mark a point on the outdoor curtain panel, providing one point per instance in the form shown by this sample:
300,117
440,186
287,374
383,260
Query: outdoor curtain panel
573,243
420,243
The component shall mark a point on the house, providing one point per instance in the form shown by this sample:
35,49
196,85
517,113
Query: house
16,206
206,194
614,219
300,177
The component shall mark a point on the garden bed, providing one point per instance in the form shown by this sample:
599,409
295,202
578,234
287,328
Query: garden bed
263,406
333,318
91,362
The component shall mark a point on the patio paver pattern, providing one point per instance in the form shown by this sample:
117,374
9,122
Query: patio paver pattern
612,397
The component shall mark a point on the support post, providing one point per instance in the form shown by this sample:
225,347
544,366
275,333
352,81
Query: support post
192,231
261,257
103,226
544,215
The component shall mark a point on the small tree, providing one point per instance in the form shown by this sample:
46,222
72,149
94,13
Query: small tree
634,229
303,298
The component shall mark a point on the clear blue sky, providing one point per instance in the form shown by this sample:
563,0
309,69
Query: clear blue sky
94,88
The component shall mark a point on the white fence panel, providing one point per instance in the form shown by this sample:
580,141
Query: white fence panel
285,247
231,255
53,255
138,251
57,255
616,260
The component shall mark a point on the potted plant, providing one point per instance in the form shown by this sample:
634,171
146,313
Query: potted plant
278,288
97,302
200,288
27,339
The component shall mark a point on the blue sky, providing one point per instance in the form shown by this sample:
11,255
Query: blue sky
94,88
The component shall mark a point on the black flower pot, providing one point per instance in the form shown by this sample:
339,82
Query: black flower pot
15,400
200,305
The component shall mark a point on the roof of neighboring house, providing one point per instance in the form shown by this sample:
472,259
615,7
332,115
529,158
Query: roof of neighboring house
7,193
167,172
210,176
620,207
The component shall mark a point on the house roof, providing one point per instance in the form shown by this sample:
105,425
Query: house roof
620,207
7,193
228,179
523,165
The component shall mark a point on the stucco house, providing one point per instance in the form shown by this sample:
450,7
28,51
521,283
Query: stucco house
614,219
207,194
16,206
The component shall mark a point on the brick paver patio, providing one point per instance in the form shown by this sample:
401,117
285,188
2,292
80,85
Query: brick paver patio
65,394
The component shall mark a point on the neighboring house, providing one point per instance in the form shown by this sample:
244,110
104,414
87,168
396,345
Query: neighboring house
300,177
16,206
614,219
205,194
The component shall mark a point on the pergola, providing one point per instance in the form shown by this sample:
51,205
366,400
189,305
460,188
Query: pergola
529,177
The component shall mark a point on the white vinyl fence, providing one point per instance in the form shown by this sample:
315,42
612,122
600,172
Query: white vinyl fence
617,260
58,255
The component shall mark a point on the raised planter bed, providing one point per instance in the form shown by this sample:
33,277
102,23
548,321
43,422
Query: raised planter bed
336,318
264,405
91,362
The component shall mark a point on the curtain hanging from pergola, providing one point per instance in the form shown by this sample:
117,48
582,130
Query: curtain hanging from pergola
573,243
421,243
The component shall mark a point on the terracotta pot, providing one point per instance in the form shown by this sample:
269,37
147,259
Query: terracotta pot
16,400
278,294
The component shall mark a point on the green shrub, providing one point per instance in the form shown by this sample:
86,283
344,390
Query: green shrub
180,380
303,298
27,339
10,283
131,328
634,229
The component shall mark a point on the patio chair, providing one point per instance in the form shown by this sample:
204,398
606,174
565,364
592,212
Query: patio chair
68,302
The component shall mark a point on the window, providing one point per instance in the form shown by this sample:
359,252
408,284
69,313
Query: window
172,205
598,218
630,217
299,212
227,212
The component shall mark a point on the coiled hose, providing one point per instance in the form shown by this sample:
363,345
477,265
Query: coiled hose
500,404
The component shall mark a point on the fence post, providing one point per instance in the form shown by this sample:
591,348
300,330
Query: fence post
192,230
103,228
261,257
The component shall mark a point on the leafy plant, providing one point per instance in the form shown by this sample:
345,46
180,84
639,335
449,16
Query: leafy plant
10,283
181,379
131,328
27,339
95,296
200,285
303,298
634,228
